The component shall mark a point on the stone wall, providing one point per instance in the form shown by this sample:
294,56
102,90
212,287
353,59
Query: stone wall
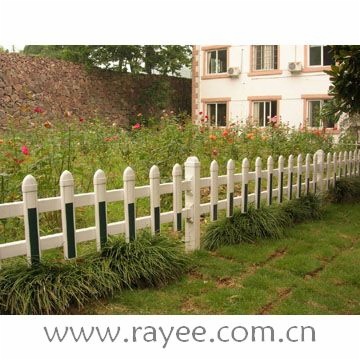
58,87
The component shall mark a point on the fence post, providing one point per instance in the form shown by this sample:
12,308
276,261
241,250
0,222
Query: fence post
129,204
335,168
244,185
340,164
192,202
154,176
68,214
328,168
280,179
307,173
290,176
357,162
230,188
346,163
269,181
100,209
177,197
214,190
258,182
31,219
299,177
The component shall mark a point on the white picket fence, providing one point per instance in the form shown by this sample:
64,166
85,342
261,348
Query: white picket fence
315,175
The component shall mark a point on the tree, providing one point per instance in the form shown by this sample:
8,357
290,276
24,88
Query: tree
150,59
345,78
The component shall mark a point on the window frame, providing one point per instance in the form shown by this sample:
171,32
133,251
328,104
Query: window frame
261,72
306,115
205,51
314,68
254,99
216,101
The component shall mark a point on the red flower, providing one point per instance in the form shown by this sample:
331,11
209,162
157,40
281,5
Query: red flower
206,117
81,119
38,110
200,112
136,126
25,150
225,133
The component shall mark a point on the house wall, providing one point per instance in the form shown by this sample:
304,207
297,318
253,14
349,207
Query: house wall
290,87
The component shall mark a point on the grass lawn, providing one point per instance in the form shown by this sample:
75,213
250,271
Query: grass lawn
315,269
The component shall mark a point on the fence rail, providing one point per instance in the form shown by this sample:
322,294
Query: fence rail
317,174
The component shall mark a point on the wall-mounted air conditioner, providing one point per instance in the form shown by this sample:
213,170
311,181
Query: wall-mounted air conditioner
295,66
234,71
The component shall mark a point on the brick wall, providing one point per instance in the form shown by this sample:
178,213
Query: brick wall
58,86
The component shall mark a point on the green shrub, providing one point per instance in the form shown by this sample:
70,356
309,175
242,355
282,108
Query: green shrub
57,287
52,288
148,261
346,189
266,222
309,207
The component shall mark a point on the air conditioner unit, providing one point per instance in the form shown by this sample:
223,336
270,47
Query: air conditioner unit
234,71
295,66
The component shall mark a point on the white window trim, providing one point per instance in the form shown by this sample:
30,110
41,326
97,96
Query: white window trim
217,56
216,113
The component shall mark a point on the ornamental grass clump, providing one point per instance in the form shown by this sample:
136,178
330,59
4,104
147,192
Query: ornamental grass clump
266,222
263,223
308,207
53,288
62,287
346,189
146,262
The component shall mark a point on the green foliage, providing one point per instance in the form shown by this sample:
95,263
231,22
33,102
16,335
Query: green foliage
309,207
148,261
346,189
55,288
150,59
83,147
345,78
263,223
266,222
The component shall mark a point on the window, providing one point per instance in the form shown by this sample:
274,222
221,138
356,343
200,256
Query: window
217,114
263,111
265,57
314,115
320,55
217,61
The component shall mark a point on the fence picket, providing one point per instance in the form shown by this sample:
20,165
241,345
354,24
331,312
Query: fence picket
346,163
230,187
154,176
290,176
100,209
299,173
280,179
177,197
269,182
244,185
328,171
68,214
129,204
258,182
31,219
214,192
307,173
